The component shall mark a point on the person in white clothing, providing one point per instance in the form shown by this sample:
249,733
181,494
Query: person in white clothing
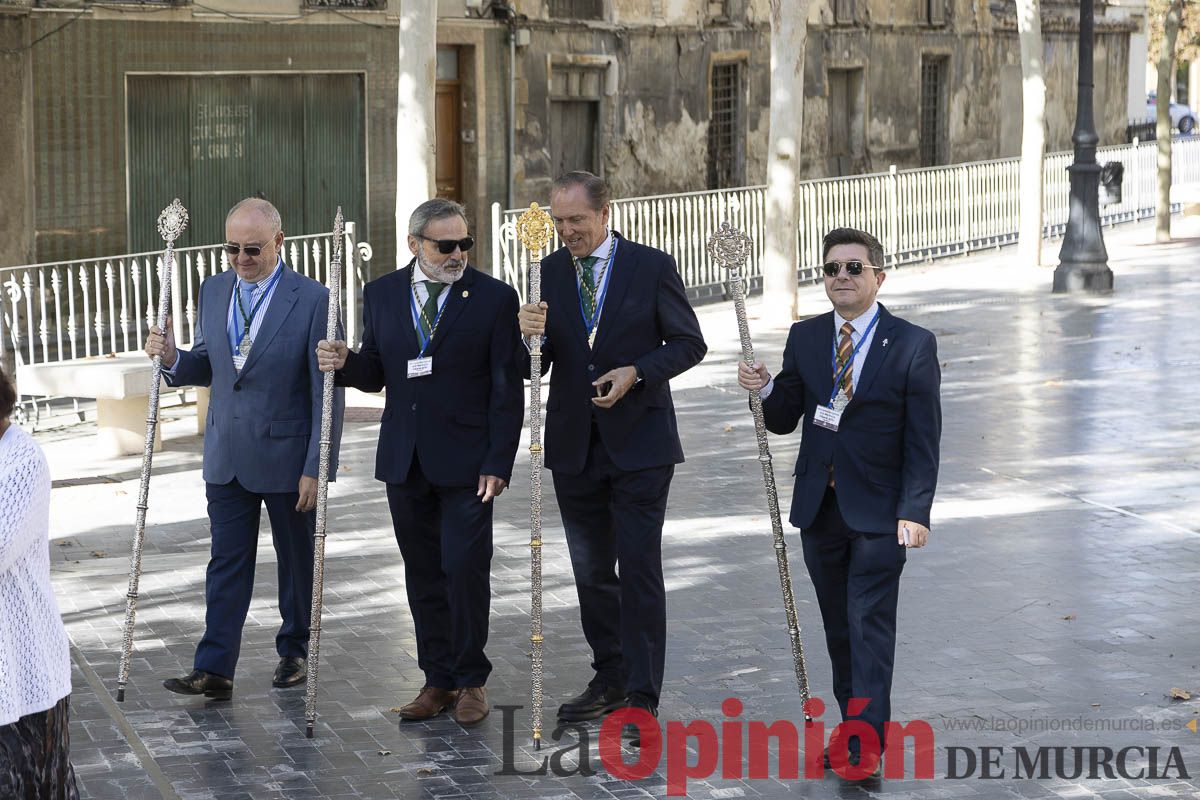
35,659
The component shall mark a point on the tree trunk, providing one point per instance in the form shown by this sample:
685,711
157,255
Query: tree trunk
1033,131
1166,64
789,29
415,119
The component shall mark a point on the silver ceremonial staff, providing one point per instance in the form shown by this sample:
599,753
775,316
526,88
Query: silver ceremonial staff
729,248
331,322
172,222
534,229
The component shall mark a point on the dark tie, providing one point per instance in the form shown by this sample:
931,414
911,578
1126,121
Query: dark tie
429,312
845,348
587,284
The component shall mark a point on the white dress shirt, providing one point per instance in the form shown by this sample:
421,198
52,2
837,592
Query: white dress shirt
860,325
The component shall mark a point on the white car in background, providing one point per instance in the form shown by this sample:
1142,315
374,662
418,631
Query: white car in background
1182,117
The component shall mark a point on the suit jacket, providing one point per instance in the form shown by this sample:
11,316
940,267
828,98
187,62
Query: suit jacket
465,419
646,322
264,423
885,452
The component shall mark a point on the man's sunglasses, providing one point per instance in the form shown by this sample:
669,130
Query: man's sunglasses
446,246
252,250
852,268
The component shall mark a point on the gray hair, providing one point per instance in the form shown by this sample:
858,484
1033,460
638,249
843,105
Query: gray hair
437,208
264,207
597,190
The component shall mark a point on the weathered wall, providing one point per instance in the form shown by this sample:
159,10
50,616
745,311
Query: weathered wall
16,136
984,81
654,126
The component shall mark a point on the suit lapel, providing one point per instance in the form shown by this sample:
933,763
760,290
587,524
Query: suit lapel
404,300
823,363
216,323
281,303
559,287
880,347
618,283
460,295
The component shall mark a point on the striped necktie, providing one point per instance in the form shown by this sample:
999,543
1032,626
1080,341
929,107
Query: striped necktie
429,312
845,349
587,284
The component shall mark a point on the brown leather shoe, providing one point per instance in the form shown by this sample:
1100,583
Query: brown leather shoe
472,706
429,703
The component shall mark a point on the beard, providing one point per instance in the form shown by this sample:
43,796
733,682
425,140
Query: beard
448,271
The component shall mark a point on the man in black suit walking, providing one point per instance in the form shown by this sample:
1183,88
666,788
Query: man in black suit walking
617,327
442,338
866,384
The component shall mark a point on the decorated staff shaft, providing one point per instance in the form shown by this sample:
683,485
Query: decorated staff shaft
729,248
172,222
331,330
534,228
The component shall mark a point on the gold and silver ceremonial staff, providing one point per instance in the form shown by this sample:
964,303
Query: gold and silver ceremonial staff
172,222
331,324
534,229
729,248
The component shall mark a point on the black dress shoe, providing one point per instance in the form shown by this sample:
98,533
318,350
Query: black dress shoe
292,671
595,702
639,700
201,682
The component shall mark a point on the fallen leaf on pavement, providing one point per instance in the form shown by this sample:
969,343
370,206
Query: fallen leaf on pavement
1069,617
1179,694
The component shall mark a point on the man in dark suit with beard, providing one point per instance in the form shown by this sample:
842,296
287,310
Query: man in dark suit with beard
866,384
442,338
617,327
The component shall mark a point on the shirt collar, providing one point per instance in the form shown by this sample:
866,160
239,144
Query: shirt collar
859,323
601,252
419,274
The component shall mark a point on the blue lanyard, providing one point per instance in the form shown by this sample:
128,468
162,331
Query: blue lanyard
412,298
837,379
244,328
591,322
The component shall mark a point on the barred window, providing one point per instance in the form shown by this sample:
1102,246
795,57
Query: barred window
933,110
577,9
726,143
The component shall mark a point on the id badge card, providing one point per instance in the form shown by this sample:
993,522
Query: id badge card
827,418
420,367
239,361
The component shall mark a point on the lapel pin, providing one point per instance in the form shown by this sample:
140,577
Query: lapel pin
465,293
885,341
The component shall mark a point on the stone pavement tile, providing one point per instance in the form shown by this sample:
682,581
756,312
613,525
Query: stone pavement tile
1058,585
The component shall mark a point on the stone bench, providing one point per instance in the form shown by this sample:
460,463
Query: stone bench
120,385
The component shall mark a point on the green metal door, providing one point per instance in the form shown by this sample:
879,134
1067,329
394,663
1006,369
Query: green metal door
298,140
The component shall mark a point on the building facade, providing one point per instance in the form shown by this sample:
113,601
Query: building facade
116,110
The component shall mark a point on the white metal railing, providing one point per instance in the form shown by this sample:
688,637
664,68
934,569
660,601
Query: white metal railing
917,214
97,306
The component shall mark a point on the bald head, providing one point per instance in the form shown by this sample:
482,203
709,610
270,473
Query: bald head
257,206
253,239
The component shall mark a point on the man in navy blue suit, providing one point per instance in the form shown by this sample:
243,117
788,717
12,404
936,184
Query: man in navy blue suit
442,338
259,324
617,328
866,384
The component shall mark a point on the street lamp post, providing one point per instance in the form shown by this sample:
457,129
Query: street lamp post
1083,261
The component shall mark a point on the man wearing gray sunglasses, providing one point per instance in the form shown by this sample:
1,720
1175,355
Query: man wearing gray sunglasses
866,384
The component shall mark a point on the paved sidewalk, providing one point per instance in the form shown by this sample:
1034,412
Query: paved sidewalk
1059,588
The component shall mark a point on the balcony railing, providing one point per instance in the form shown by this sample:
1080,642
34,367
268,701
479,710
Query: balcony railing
918,214
97,306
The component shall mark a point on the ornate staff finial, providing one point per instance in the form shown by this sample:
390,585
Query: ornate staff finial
173,221
535,228
729,247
